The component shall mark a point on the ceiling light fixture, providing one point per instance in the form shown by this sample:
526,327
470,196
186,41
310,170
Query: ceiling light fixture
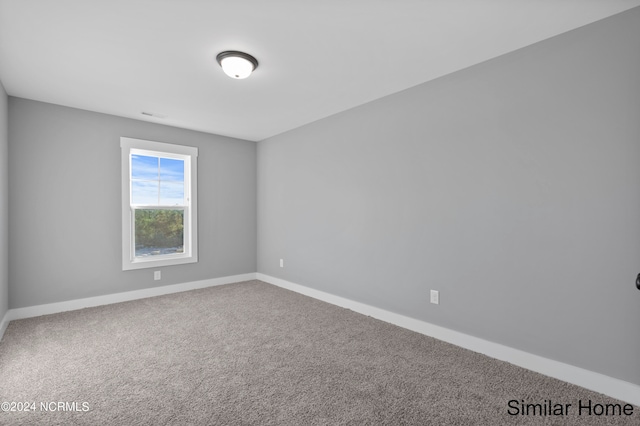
237,64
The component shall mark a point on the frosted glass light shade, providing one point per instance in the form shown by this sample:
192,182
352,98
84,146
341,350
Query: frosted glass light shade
237,64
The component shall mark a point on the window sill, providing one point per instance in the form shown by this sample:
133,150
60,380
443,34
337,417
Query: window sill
157,263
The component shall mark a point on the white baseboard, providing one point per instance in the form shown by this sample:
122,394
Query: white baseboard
3,324
53,308
597,382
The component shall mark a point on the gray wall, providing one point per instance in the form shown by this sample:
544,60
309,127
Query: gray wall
64,204
512,187
4,200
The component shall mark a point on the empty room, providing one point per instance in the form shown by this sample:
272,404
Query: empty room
319,213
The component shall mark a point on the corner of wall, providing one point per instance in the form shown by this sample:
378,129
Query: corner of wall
4,212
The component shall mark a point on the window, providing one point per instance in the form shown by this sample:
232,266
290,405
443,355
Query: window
159,208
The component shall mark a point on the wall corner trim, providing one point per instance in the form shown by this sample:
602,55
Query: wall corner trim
610,386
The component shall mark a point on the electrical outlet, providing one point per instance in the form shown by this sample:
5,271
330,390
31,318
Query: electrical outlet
157,275
435,297
282,263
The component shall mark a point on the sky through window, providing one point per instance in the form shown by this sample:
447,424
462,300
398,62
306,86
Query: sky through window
157,181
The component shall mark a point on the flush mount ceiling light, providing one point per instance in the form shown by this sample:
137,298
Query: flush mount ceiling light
237,64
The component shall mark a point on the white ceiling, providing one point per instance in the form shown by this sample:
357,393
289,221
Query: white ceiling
317,57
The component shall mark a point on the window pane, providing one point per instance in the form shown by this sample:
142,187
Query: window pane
144,192
158,232
172,169
144,167
171,193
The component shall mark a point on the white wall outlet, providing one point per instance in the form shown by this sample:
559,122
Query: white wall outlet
282,263
435,297
157,275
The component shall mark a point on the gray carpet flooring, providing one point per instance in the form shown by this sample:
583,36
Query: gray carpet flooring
254,354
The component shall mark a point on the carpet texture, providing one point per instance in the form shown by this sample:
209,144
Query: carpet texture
254,354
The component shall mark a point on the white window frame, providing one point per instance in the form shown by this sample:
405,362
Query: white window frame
131,146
